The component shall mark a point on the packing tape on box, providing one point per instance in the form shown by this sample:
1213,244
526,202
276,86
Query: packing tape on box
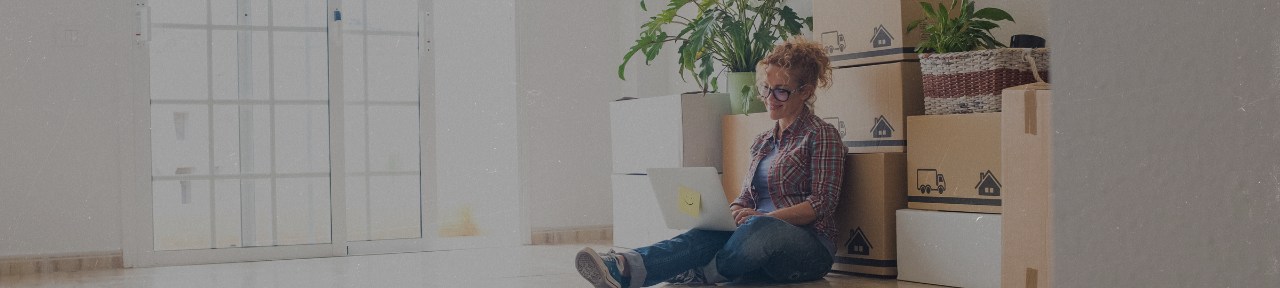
1029,110
1032,280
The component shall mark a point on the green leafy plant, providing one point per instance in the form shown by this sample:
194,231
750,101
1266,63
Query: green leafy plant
733,32
968,31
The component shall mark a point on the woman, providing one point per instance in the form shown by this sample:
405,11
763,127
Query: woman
785,225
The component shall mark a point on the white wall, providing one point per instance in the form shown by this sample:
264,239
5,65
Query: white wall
62,131
568,63
658,77
476,107
1167,143
1031,16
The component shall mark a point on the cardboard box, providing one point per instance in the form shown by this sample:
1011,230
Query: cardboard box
738,133
667,132
868,31
954,164
1026,140
869,105
865,217
949,248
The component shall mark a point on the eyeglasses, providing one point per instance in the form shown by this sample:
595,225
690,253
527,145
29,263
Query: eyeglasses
779,93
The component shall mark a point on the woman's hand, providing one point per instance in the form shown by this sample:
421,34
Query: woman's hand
740,215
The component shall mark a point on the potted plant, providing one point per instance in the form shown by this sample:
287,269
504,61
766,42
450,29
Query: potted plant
963,69
737,33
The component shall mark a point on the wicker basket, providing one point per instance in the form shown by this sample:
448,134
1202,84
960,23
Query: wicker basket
971,82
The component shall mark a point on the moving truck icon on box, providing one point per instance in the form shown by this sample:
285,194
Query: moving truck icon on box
833,41
928,180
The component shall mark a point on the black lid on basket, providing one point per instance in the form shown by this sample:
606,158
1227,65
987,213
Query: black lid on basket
1026,41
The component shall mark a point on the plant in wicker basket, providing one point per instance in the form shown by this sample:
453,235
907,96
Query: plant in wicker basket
967,73
968,31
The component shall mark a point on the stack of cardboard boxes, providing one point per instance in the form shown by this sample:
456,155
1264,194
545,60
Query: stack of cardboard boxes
951,234
923,196
979,196
876,84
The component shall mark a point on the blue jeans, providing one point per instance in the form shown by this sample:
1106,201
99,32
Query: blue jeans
767,245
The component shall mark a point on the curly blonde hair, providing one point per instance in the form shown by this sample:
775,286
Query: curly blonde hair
805,58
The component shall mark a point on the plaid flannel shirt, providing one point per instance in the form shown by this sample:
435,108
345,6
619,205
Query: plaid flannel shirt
809,167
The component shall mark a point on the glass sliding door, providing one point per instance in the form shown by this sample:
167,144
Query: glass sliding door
246,147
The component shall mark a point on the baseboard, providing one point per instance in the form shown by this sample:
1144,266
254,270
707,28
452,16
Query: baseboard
573,235
70,262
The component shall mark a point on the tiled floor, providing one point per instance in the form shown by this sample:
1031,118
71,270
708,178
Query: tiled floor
525,266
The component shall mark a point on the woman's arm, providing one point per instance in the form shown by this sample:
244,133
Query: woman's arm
799,214
827,166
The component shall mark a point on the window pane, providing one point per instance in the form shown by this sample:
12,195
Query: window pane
224,11
393,68
179,140
300,13
225,66
257,10
357,208
301,66
181,216
260,141
227,213
240,12
178,64
393,138
396,213
177,11
226,140
393,147
256,205
241,65
393,15
242,139
302,210
353,14
302,138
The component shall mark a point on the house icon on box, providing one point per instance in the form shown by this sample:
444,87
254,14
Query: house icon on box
857,243
988,185
882,37
882,129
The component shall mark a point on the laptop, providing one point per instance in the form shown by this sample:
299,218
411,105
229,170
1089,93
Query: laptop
691,197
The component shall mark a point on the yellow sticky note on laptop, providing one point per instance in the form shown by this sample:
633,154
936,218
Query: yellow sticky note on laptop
690,202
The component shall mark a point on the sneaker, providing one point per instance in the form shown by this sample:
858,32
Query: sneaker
601,270
691,277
